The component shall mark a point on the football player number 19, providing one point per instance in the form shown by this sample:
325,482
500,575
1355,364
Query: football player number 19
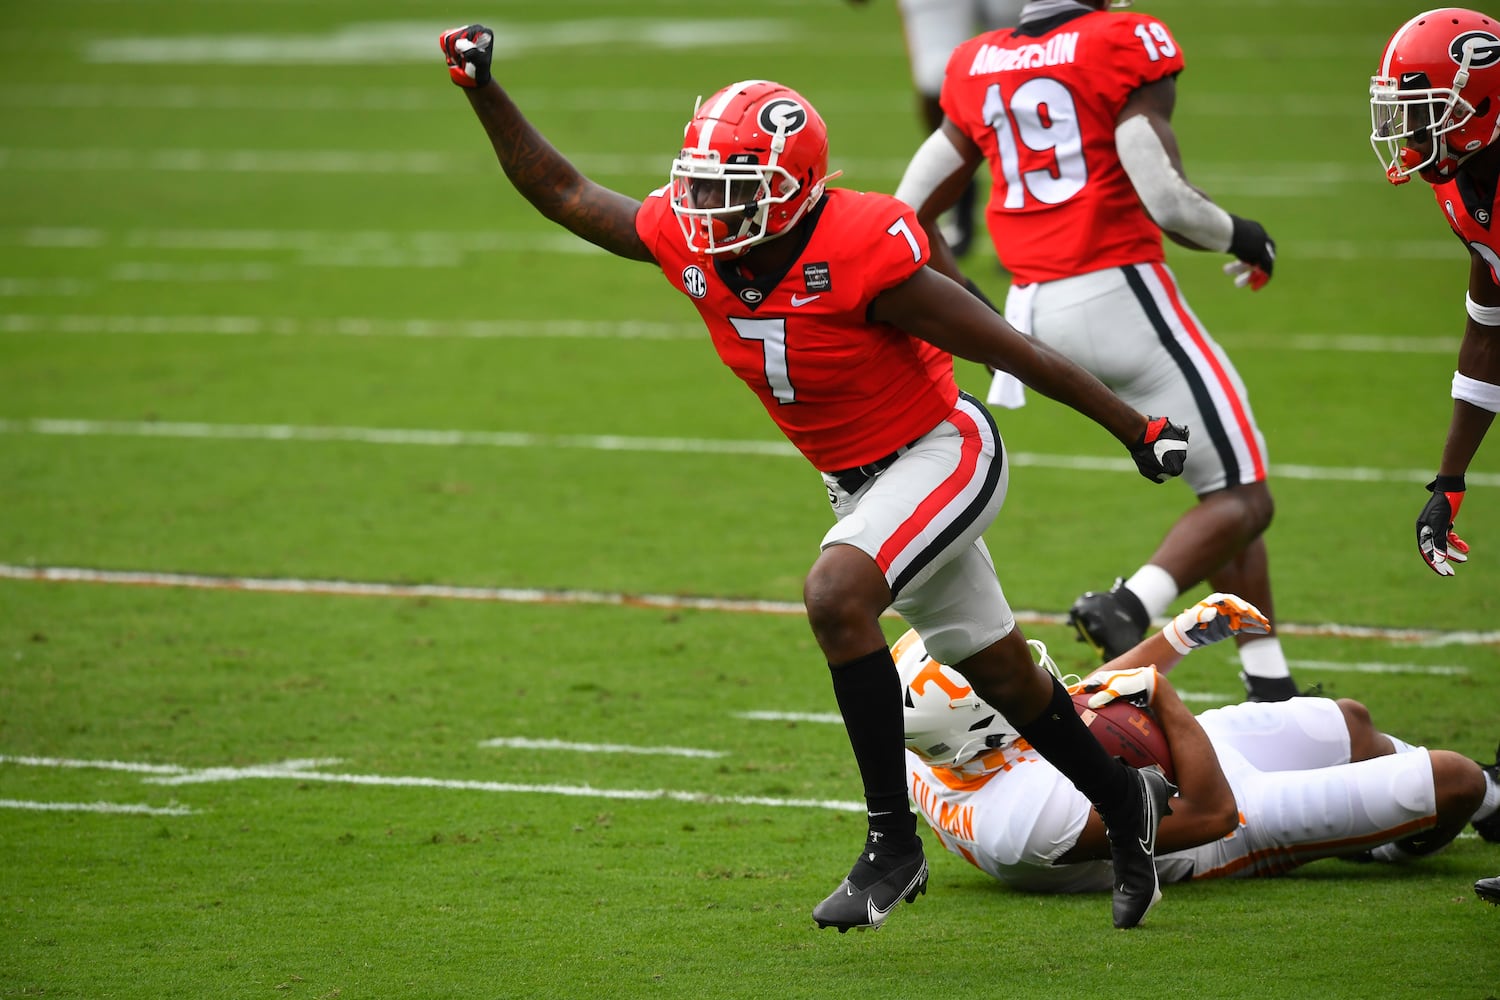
1043,117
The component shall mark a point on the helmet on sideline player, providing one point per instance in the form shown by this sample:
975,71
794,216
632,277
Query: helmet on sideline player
947,724
1436,98
754,161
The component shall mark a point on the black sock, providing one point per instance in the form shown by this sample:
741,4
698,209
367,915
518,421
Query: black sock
868,691
1061,737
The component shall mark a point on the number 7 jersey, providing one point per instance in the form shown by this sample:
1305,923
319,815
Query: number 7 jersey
844,390
1043,109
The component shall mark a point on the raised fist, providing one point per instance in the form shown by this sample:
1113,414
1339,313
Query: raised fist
468,52
1161,450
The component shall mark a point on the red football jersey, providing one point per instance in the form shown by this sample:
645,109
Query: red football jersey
1471,220
1043,109
844,390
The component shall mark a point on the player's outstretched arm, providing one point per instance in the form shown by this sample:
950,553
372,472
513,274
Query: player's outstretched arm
1213,619
1148,151
1203,810
933,307
1476,398
544,176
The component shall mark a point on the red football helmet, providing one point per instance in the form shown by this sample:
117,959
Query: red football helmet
754,159
1436,99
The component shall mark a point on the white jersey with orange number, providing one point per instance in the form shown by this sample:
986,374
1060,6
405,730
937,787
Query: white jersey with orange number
1012,815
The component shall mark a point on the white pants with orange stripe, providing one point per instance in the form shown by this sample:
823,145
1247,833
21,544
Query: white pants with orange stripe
1132,328
1299,797
922,521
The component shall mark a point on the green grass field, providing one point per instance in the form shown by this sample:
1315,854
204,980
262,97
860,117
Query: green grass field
398,599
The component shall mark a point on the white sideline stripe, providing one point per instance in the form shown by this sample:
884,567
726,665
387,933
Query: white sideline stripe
508,595
318,243
324,245
412,41
297,771
96,807
98,765
618,442
523,743
362,326
820,717
348,326
1379,668
1283,181
392,99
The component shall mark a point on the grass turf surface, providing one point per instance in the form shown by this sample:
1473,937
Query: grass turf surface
280,215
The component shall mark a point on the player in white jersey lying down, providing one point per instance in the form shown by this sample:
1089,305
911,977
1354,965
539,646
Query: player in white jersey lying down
1264,787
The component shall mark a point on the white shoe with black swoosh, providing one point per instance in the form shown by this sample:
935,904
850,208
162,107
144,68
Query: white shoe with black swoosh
1132,848
870,892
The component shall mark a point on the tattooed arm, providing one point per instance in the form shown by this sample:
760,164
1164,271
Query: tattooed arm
544,176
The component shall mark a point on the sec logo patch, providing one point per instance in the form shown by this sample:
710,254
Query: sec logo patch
694,282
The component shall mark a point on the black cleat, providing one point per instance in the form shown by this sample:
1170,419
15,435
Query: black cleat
1488,889
1489,827
1132,848
1111,621
1271,688
874,886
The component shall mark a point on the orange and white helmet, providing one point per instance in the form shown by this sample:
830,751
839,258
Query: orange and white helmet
1436,98
754,160
947,724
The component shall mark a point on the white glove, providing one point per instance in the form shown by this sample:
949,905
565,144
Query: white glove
1136,685
1217,616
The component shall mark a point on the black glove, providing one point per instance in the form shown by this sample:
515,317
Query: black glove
1439,545
1254,251
1161,450
468,51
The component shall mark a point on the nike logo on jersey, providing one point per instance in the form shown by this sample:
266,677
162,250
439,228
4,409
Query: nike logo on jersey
799,301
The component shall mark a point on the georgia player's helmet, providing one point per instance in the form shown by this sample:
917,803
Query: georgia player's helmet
947,724
1436,99
754,159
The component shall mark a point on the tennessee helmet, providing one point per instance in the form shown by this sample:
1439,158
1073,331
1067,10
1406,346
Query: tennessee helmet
947,724
754,159
1436,99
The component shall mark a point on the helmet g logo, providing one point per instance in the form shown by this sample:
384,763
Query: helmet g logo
1482,48
783,116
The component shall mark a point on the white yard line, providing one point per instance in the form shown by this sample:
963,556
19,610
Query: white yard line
305,770
452,438
526,743
516,595
96,807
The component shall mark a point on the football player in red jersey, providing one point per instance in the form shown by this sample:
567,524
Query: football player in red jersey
1435,111
821,301
1263,788
1072,111
1435,114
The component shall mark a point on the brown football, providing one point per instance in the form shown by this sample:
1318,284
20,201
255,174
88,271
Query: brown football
1128,732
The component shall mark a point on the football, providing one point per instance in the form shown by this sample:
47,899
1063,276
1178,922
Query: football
1128,732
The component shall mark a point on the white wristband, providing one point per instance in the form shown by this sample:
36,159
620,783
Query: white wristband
1485,395
1483,315
1174,636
